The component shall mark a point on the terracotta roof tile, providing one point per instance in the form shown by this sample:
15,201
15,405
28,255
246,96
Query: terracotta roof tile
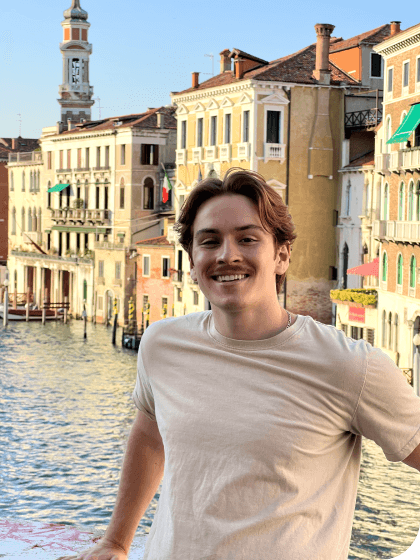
21,145
372,37
161,240
363,161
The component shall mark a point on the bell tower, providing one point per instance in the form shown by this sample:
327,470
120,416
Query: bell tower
75,92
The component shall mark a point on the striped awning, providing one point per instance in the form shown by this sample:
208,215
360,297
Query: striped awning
407,127
59,187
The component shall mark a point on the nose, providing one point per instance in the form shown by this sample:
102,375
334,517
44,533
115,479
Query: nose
228,251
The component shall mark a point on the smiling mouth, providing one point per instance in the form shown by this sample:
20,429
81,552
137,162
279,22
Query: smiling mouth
230,281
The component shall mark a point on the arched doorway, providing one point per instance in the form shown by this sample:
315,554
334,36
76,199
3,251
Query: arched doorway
109,306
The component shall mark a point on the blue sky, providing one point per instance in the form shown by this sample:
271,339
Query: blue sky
144,50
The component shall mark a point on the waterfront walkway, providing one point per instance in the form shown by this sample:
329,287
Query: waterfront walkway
24,540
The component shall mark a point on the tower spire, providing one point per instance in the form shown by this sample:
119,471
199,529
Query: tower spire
75,92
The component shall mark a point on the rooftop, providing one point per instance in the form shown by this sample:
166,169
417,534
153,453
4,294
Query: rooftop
161,240
20,145
372,37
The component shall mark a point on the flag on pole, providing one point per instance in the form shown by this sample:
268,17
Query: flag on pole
167,186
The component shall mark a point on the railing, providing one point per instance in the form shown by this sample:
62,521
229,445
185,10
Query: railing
25,157
395,161
63,170
397,230
274,151
177,275
382,162
109,245
101,168
82,169
243,150
411,158
225,152
398,160
181,157
38,255
368,117
80,215
197,155
211,153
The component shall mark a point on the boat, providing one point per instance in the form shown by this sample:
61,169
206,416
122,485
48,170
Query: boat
34,314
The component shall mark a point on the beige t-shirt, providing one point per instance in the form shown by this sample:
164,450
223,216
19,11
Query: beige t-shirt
263,437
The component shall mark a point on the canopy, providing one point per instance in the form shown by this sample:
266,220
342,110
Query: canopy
59,187
368,269
408,125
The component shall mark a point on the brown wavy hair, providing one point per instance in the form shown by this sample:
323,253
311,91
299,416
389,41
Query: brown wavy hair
272,211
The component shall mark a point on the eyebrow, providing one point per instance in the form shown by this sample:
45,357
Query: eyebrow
241,228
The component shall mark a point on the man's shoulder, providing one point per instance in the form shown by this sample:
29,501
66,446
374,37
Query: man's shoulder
183,324
332,335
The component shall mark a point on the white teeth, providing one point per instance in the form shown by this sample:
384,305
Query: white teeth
230,278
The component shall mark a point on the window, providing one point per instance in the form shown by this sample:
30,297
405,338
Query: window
100,303
418,70
348,196
34,221
148,194
118,270
146,265
385,202
23,181
179,294
165,306
410,201
401,202
106,156
106,195
413,271
97,194
79,158
98,157
228,118
123,154
61,159
86,204
213,131
406,71
375,65
245,131
390,79
195,297
199,132
273,127
49,160
384,267
14,221
165,267
122,193
23,221
87,157
149,154
68,159
417,135
183,135
12,185
38,181
49,195
400,269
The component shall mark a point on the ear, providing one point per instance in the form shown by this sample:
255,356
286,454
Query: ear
193,274
282,258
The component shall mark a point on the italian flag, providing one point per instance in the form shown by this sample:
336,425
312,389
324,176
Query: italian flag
167,186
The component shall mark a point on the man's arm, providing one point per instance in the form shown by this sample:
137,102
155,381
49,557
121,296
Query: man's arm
413,460
141,475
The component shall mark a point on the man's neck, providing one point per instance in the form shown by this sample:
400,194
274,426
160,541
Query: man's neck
247,325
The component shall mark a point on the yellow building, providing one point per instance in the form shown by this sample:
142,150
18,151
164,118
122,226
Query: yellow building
285,120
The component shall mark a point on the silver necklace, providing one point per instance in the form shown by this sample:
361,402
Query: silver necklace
289,322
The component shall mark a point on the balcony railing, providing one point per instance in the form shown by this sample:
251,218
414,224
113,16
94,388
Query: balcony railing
101,168
25,157
81,215
181,157
395,161
401,160
197,155
397,230
243,151
366,118
109,245
382,163
225,152
274,151
411,158
177,275
211,153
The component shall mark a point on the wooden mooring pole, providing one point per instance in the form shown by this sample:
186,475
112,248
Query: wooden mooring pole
44,306
114,330
84,315
6,307
27,305
66,299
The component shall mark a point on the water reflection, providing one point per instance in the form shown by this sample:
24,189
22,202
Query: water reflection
65,414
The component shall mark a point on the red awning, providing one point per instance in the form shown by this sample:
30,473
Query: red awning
368,269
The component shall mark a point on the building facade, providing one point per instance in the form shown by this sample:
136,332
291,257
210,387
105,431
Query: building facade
285,120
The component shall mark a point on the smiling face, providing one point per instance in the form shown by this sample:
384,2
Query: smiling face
231,249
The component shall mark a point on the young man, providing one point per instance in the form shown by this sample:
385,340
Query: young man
256,415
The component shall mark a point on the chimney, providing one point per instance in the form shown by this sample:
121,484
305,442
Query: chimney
159,120
239,68
323,34
14,144
225,61
395,27
195,79
69,124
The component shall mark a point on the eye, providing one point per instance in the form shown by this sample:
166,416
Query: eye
213,241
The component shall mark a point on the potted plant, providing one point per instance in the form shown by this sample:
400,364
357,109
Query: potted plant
78,203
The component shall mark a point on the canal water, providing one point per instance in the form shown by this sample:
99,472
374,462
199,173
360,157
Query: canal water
65,414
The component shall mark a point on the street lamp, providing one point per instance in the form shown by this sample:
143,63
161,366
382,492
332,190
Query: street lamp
416,365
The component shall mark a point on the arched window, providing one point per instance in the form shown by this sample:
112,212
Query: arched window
388,134
14,221
384,267
390,331
348,195
29,219
23,221
403,115
78,190
410,201
34,222
39,220
400,270
417,199
86,205
401,202
386,189
97,194
38,183
12,185
31,187
106,194
383,328
148,194
367,199
413,271
23,181
395,332
84,290
49,195
15,279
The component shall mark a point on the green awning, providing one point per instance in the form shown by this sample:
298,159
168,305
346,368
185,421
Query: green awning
78,229
59,187
408,125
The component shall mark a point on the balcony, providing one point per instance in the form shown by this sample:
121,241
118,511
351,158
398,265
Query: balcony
63,170
363,119
411,158
181,157
110,246
274,151
80,216
82,169
101,168
382,163
176,275
244,150
197,155
397,161
397,230
26,157
225,152
211,153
